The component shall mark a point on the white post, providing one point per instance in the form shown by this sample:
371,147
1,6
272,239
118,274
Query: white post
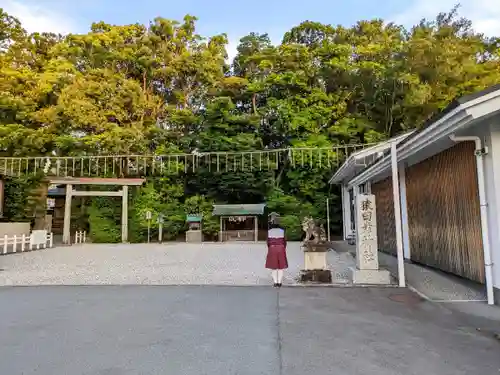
220,229
404,212
342,206
51,239
14,245
84,236
328,217
149,230
483,204
346,211
125,214
5,243
397,215
23,243
355,193
368,187
31,242
67,215
256,222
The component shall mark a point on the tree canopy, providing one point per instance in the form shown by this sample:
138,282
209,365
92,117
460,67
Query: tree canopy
162,88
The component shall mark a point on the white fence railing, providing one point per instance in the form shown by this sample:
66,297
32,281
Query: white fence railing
80,237
35,241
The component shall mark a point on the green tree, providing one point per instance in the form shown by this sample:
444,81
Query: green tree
162,88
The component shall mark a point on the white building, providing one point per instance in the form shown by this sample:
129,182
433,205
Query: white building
447,191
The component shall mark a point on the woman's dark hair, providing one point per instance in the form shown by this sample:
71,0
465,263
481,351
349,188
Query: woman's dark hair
274,225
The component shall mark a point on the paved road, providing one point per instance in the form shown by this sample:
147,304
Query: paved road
155,264
214,330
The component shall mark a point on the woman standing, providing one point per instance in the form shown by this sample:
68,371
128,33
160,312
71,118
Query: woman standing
276,253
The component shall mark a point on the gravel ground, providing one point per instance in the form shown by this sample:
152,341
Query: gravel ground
156,264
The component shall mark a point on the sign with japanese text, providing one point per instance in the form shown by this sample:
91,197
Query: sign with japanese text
366,223
237,219
51,203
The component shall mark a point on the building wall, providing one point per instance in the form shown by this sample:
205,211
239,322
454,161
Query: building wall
444,213
386,230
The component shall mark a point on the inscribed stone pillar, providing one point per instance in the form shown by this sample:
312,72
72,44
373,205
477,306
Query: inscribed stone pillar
366,242
367,268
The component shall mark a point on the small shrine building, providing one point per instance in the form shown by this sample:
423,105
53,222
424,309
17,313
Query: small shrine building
239,222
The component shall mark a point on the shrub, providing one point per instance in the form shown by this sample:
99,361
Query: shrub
158,196
293,227
104,220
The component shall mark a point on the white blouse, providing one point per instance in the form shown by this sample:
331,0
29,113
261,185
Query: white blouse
276,233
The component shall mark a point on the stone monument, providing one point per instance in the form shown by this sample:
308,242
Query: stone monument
315,248
367,268
194,233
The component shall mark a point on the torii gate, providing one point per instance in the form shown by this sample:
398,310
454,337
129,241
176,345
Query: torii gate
69,182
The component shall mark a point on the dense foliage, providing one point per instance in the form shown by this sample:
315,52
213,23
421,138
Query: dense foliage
162,88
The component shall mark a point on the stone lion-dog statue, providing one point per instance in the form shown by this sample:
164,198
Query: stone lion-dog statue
314,233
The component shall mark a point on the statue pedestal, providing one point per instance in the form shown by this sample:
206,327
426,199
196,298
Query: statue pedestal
314,261
316,276
194,236
315,264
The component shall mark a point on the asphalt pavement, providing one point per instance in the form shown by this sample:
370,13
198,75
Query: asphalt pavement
215,330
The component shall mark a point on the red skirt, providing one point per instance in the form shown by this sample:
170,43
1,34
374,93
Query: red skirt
276,257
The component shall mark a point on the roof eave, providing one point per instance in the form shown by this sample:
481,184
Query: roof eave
350,167
457,119
339,176
251,209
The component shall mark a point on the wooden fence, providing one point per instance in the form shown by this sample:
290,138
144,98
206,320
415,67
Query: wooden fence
386,229
443,213
158,165
238,235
